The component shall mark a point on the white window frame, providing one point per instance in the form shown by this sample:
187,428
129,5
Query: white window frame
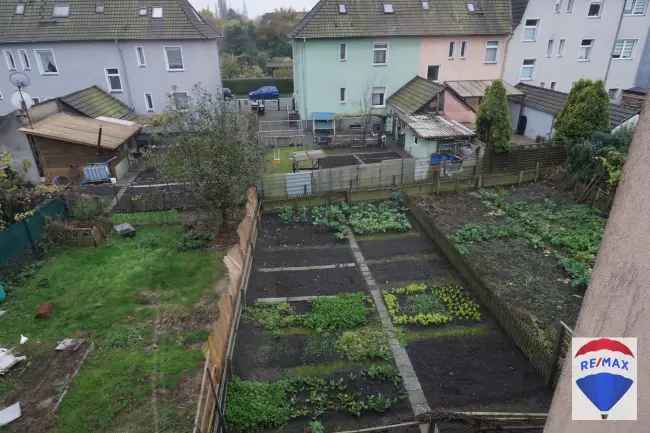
524,66
142,12
100,7
1,96
154,13
343,8
550,46
600,8
143,63
176,92
526,27
372,93
25,60
569,6
63,10
389,8
36,100
425,5
375,49
148,97
463,47
632,11
553,85
615,91
108,80
39,62
20,8
10,60
623,47
561,47
581,47
491,45
345,52
343,91
437,72
167,59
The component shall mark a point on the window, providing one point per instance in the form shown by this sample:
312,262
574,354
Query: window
24,59
594,9
343,9
553,84
114,80
633,7
612,93
342,95
388,8
343,52
425,6
569,6
99,8
473,6
1,96
378,94
174,58
142,12
463,49
527,69
560,47
549,48
46,62
623,48
452,47
139,53
181,100
380,53
148,102
36,100
558,6
584,53
491,51
61,10
9,58
530,30
156,12
542,84
432,72
20,9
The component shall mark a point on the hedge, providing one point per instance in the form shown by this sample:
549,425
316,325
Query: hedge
242,86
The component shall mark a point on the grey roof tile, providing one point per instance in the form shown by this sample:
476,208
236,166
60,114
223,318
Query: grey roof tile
414,95
119,21
366,18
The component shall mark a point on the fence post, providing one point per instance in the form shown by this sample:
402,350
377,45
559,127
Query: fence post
537,171
521,177
480,180
438,183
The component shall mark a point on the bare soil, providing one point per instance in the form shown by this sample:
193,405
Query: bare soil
380,249
274,233
272,258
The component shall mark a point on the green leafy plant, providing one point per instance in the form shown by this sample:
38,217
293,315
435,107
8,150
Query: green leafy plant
273,317
194,240
383,372
316,427
344,311
254,406
364,344
379,403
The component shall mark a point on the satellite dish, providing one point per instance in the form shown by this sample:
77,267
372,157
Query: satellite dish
20,80
17,100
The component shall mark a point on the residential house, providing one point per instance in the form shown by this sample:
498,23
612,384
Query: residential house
146,53
350,56
558,42
535,116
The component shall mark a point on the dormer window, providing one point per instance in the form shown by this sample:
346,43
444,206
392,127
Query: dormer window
425,6
99,8
343,9
142,12
473,6
20,9
61,10
156,12
388,8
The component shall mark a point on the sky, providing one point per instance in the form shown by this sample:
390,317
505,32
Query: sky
257,7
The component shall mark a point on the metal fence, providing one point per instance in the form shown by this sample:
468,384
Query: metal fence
22,238
243,105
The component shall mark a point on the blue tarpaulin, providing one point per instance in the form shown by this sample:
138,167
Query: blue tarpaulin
265,92
325,116
438,158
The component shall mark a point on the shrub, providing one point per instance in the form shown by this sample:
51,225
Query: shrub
364,344
87,209
194,240
254,406
345,311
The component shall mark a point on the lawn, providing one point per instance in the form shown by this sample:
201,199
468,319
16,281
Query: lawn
285,164
145,306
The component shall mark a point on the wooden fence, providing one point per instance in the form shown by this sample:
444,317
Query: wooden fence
221,342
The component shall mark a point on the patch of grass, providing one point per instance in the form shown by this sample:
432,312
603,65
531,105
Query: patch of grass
412,335
285,163
146,218
321,369
344,311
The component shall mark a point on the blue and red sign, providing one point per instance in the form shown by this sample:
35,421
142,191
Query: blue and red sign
604,376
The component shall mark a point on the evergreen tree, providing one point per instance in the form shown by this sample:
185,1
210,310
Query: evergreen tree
586,112
493,124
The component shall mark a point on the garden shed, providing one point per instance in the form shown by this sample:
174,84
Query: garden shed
66,143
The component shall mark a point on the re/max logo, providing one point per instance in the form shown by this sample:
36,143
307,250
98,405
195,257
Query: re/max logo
604,362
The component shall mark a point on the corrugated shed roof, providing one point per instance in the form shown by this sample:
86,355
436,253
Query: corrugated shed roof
83,130
477,88
366,18
414,95
552,102
119,21
426,126
94,102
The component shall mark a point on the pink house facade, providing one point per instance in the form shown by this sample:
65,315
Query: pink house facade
462,58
